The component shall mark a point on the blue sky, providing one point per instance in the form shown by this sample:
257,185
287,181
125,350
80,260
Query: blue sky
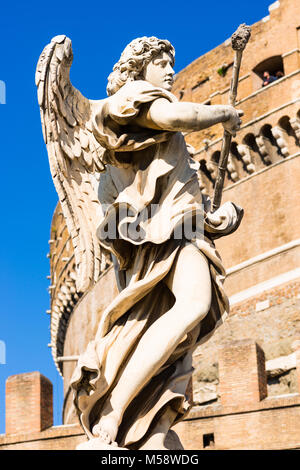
99,32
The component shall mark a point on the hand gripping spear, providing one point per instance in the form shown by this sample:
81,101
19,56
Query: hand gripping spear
239,41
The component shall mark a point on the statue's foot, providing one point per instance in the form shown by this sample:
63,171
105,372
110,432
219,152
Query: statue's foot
107,429
103,436
105,433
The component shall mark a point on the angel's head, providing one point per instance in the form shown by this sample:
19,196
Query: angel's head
146,58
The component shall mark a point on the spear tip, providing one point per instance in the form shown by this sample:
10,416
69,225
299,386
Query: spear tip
240,38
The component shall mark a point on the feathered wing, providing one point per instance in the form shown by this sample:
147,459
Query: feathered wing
74,155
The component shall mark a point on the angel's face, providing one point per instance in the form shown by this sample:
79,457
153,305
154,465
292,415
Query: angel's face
159,72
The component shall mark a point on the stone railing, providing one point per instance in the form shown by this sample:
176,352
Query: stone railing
256,147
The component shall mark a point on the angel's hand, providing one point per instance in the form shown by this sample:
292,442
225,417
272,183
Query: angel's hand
233,123
228,210
216,218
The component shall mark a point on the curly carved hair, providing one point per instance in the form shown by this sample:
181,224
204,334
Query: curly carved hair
133,60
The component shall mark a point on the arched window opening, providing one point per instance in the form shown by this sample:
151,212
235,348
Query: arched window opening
250,141
215,158
273,66
206,181
295,122
204,170
285,124
234,151
212,165
200,82
268,145
266,131
234,164
290,134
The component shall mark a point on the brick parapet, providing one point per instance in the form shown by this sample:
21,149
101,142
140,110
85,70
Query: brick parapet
269,403
242,377
65,437
29,403
51,433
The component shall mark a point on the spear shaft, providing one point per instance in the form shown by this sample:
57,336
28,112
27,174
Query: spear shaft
239,41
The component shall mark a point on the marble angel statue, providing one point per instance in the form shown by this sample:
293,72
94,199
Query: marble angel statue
130,383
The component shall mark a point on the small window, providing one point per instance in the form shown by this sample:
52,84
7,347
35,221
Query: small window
215,158
284,122
208,440
199,83
222,71
203,169
249,140
273,66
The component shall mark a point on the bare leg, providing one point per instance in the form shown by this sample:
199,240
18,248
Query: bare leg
190,282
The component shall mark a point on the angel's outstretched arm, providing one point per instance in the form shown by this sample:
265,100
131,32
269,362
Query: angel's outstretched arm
189,116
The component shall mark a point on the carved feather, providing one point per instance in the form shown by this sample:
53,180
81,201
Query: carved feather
73,155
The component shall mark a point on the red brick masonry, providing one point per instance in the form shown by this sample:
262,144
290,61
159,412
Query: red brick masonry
29,403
